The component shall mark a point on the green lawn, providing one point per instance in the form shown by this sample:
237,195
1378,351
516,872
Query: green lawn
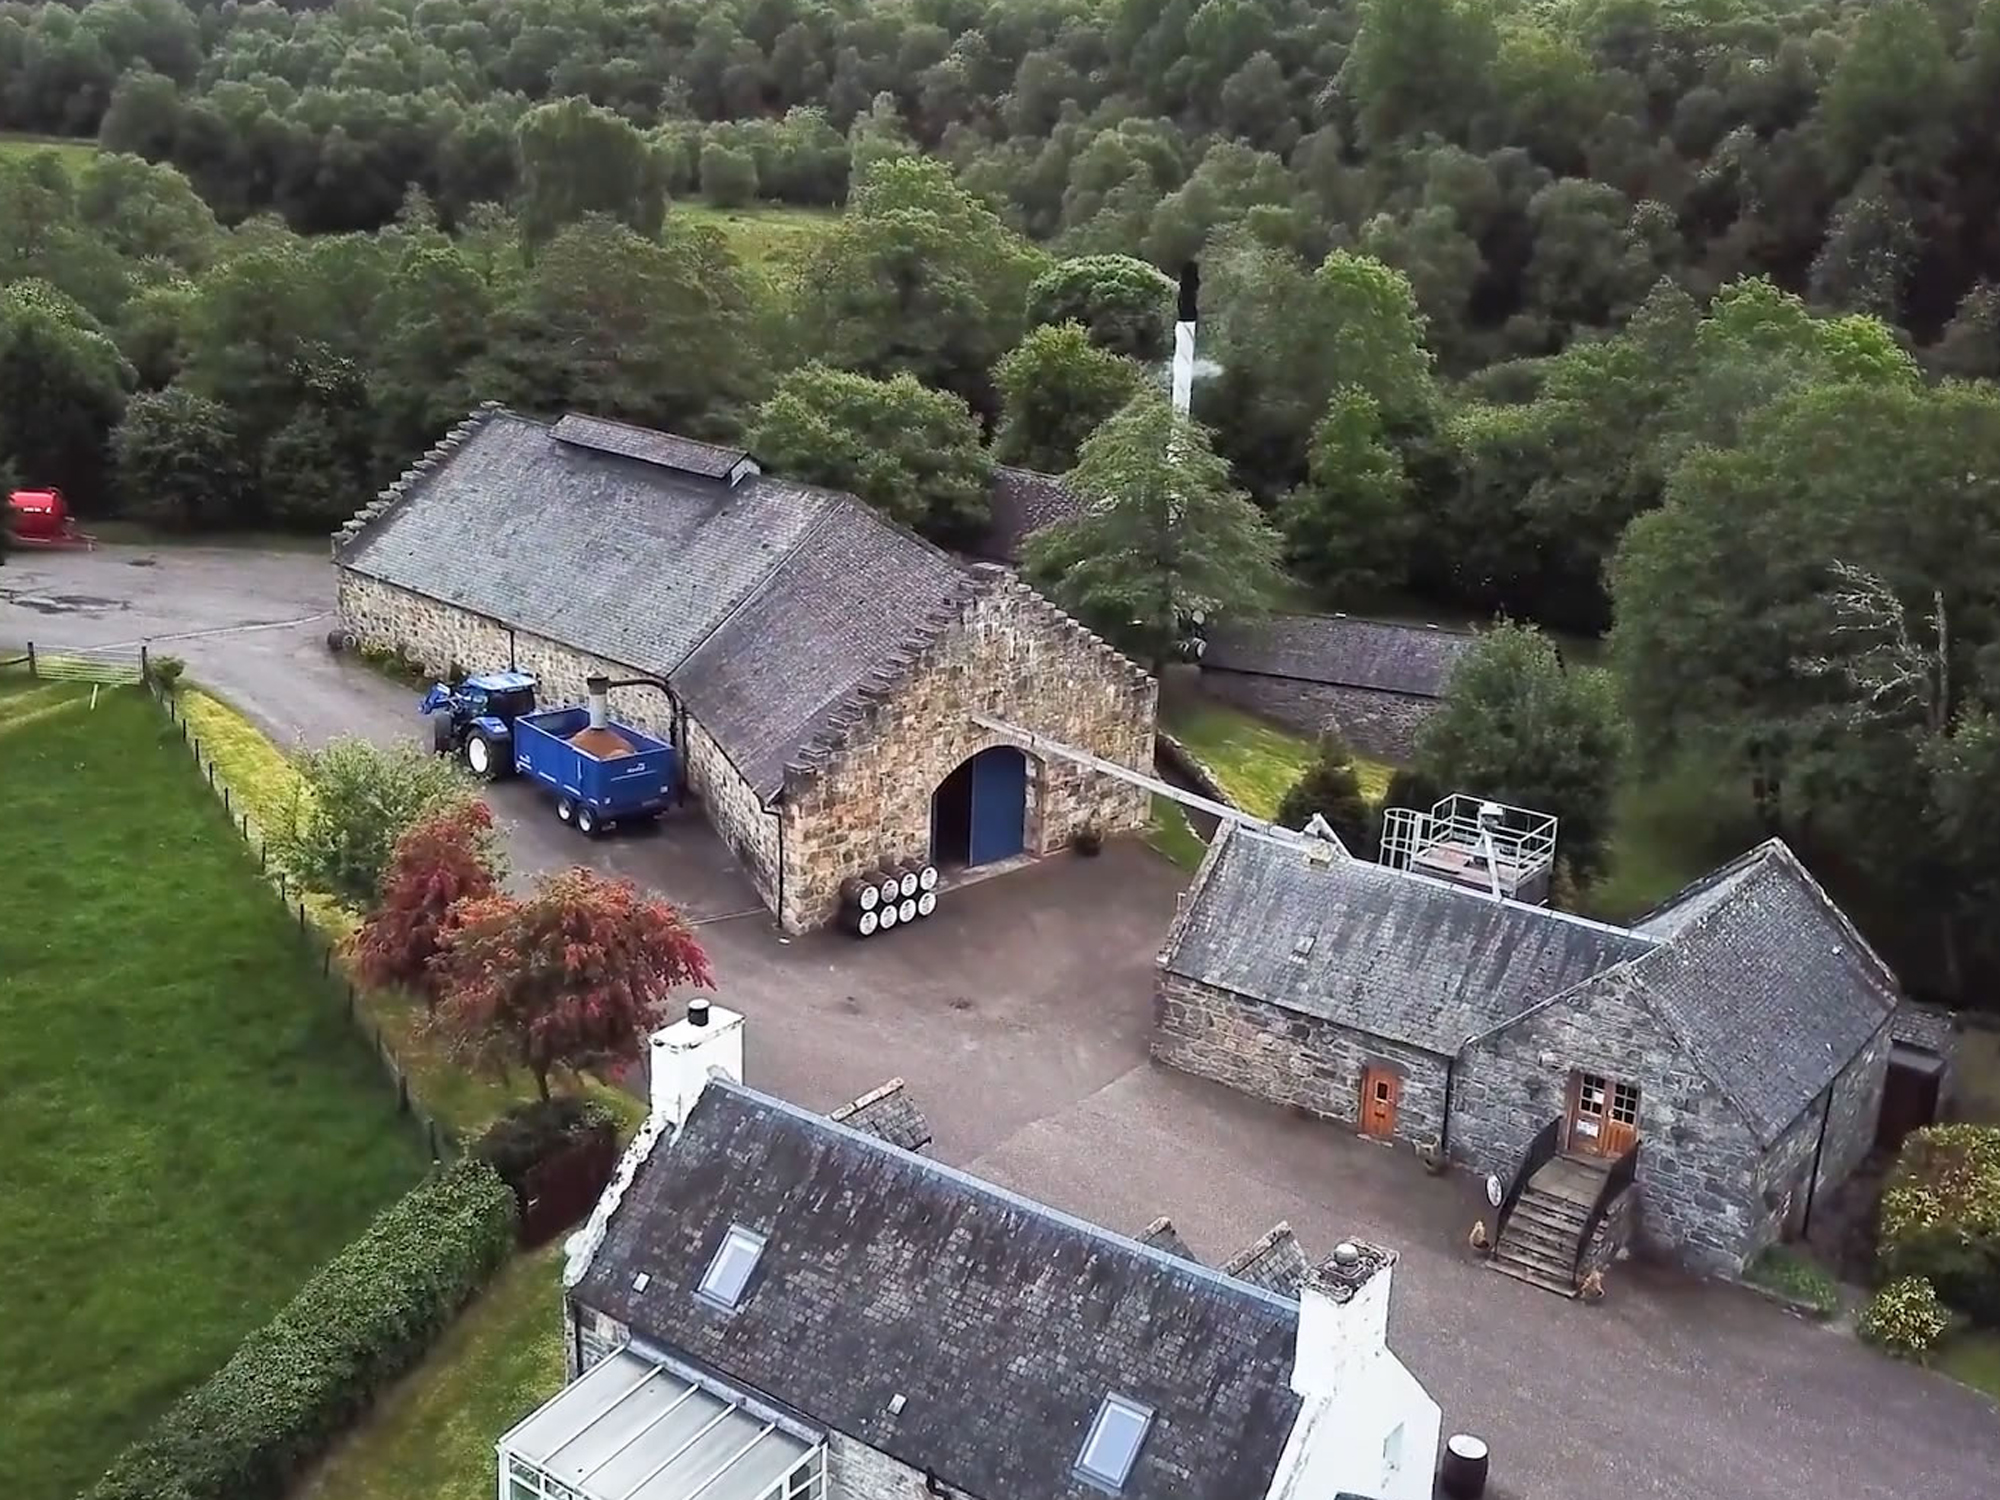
1973,1357
1256,762
1170,834
432,1438
188,1125
75,153
767,238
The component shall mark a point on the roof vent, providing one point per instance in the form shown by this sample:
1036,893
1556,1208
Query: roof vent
697,1012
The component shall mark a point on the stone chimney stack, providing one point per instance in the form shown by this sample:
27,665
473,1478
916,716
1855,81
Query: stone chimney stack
1343,1319
708,1039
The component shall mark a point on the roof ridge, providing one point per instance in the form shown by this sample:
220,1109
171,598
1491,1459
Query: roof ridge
1425,627
399,489
1194,1270
1282,1230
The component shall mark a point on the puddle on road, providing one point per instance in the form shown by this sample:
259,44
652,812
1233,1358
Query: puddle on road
60,604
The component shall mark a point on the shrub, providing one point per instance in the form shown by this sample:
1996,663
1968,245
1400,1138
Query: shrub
530,1133
356,800
299,1381
448,857
1941,1217
166,671
1331,788
728,176
1905,1317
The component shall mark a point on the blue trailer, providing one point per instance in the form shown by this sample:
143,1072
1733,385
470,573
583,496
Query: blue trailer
594,790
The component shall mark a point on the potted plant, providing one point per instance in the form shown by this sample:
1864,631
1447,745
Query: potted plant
1088,840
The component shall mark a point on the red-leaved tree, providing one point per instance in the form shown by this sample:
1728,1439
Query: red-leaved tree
448,858
576,976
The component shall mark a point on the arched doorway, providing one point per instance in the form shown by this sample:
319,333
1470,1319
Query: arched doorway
979,812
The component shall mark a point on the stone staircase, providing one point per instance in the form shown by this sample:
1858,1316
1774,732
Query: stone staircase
1542,1236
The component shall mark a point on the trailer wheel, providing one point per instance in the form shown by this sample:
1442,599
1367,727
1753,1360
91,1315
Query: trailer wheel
565,809
586,820
441,733
480,758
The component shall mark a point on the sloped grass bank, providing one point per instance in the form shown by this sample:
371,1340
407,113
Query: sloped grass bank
189,1127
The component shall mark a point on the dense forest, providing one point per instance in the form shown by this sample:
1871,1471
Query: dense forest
1673,321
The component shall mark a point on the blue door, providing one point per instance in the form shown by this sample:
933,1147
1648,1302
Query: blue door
999,804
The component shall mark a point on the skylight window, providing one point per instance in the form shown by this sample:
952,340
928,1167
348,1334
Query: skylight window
723,1282
1114,1442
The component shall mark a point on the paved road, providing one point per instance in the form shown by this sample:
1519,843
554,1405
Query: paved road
1019,1018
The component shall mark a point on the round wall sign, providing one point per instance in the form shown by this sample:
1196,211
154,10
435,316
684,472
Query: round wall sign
1493,1191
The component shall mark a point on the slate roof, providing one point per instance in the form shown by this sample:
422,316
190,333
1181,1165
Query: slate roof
1768,985
1341,651
1001,1322
767,603
888,1114
1419,961
1023,501
1275,1260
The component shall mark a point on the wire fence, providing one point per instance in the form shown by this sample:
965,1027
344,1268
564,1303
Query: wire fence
441,1140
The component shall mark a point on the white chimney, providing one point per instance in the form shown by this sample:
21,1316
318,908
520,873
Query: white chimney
1184,320
599,689
1343,1319
682,1056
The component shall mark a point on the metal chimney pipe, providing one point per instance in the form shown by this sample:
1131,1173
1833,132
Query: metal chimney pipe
697,1012
599,689
1184,321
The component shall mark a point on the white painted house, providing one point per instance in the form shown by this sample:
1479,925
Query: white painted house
769,1304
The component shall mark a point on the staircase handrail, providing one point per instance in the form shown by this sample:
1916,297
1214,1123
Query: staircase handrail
1615,1182
1541,1151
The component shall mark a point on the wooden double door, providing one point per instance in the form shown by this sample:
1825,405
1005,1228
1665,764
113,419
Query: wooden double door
1603,1114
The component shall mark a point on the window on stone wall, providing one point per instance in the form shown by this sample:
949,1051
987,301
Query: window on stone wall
1625,1104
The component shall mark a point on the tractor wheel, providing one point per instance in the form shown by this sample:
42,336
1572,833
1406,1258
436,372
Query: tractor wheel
586,820
565,809
480,758
441,733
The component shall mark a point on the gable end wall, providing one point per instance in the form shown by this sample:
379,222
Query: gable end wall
1011,655
1850,1135
1698,1163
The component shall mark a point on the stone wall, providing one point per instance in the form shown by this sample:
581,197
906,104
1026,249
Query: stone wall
1850,1135
1614,1233
1697,1159
588,1336
735,811
1288,1058
1012,655
1380,725
855,1471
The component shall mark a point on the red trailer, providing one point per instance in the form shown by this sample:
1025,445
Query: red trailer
41,519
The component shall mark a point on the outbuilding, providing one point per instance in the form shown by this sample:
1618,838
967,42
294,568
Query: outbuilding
822,665
1725,1055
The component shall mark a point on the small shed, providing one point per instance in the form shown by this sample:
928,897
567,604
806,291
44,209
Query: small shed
1917,1090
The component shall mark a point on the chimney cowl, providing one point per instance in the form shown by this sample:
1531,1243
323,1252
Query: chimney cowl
697,1012
1190,293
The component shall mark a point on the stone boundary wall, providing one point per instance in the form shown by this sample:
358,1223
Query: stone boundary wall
1188,764
1382,726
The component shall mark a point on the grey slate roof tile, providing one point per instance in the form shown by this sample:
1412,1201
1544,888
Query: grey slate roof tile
1770,986
666,449
765,603
1396,955
1023,502
1001,1322
889,1114
1274,1260
1341,651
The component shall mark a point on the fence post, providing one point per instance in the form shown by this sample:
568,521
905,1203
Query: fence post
326,961
302,919
263,851
225,797
281,885
211,776
145,664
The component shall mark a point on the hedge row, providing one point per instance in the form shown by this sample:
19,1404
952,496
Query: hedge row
1941,1217
303,1378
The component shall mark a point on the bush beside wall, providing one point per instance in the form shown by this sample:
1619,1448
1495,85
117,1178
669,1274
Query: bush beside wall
1941,1217
294,1385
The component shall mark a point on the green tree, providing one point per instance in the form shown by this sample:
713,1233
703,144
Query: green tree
1349,526
62,391
728,175
1056,387
1518,727
1126,305
578,159
912,453
1419,65
178,460
355,801
429,335
1163,534
1331,788
1891,91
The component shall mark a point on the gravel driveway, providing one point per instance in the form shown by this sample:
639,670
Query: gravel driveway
1019,1017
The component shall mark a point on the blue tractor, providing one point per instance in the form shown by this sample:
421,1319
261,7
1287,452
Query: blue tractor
475,719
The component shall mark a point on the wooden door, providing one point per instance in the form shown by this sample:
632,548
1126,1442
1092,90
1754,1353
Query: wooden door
1603,1114
1380,1089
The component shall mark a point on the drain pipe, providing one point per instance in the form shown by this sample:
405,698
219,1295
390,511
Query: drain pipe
1819,1149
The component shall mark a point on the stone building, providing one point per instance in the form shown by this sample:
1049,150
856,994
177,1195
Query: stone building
1373,680
1738,1037
821,664
866,1323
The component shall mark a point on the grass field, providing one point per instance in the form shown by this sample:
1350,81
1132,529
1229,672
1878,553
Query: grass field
74,152
432,1437
1255,761
188,1126
767,238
